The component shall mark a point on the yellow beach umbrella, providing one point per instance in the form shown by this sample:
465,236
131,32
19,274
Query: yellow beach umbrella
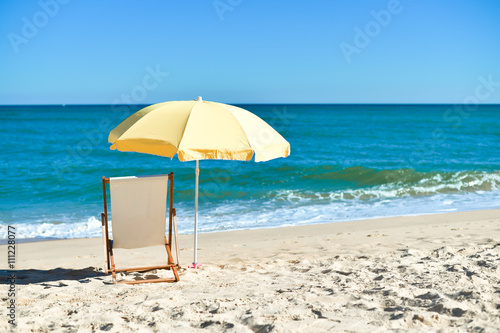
199,130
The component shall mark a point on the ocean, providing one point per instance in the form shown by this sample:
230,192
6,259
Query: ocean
347,162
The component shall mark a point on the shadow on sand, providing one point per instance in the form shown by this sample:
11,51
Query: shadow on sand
29,276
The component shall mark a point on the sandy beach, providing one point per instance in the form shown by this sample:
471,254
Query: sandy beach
431,273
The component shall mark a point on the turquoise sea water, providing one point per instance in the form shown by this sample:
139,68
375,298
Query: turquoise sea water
348,162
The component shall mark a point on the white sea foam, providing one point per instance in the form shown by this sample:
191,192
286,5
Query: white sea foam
339,211
459,183
286,209
89,228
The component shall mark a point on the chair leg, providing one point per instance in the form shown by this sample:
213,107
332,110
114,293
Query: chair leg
173,267
106,246
177,252
113,267
176,274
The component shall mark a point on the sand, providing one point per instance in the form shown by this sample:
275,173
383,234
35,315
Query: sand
431,273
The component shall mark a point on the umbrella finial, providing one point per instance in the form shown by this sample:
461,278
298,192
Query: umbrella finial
199,99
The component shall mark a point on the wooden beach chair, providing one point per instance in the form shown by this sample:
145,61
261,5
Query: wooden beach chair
138,217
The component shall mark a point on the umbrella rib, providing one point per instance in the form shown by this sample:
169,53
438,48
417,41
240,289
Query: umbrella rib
184,130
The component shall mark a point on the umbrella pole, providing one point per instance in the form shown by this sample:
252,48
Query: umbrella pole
195,262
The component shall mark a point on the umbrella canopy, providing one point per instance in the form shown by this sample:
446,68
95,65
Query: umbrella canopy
199,130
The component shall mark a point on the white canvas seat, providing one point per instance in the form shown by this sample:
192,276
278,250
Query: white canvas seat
138,217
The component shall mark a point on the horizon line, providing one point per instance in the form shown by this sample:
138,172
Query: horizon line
246,103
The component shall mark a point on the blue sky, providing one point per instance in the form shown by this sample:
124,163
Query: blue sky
249,51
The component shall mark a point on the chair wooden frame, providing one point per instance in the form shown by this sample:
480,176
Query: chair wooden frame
109,262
